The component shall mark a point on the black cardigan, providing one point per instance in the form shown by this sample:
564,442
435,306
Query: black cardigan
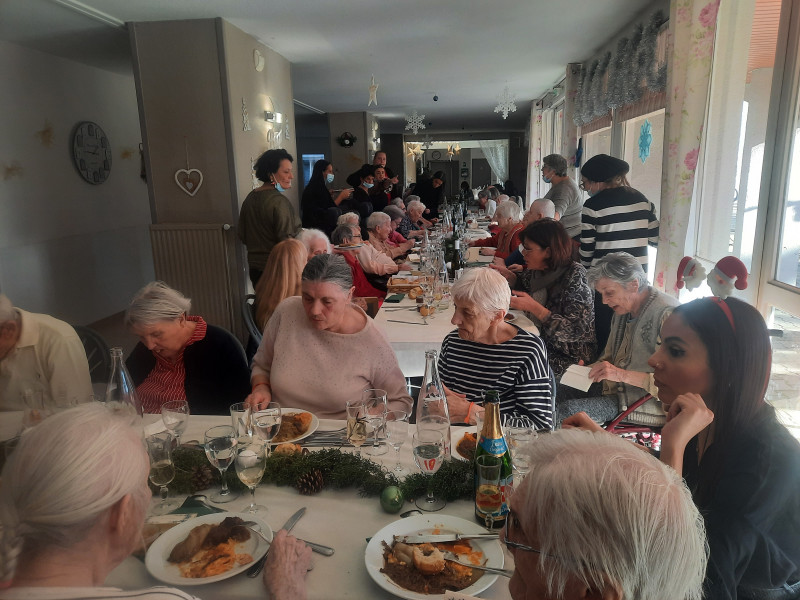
217,374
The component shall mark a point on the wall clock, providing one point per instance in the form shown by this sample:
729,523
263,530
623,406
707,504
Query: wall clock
91,152
436,155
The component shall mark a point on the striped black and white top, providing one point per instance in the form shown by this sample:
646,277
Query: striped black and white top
517,369
617,220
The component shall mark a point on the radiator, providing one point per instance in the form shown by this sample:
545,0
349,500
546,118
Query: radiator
197,260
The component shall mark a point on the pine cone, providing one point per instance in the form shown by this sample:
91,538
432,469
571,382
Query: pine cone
310,483
202,477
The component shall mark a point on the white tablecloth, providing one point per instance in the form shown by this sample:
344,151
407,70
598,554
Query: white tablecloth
410,339
338,518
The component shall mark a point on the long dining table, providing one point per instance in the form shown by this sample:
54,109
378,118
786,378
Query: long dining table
337,518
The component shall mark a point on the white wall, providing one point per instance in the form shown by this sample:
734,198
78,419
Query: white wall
68,248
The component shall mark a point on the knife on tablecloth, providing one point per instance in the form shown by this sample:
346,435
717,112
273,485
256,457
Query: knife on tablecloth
290,523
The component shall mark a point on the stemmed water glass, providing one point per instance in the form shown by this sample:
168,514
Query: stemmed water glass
175,415
428,447
251,460
397,432
162,469
519,432
488,497
267,422
220,445
375,404
356,424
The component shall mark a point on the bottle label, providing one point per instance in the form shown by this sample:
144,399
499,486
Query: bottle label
494,447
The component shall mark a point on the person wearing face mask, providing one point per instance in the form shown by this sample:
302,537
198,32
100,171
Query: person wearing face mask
615,218
360,202
267,217
319,205
564,193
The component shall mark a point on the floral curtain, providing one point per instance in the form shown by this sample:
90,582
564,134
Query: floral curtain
496,152
535,154
691,47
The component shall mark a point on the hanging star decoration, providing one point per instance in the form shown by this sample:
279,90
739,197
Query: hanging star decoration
450,152
505,103
427,141
414,122
373,93
645,140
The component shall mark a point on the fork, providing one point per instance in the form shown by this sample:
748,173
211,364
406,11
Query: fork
454,557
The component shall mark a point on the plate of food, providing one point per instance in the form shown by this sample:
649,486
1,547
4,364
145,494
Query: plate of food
206,549
418,572
509,317
347,246
465,448
296,424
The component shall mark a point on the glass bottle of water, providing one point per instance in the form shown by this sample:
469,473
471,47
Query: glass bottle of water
432,411
121,392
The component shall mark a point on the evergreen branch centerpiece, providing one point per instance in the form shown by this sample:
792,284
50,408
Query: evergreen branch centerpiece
327,468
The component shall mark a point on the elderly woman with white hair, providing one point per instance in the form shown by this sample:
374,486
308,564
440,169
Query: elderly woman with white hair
486,353
410,225
379,225
639,312
636,536
68,517
180,356
507,238
320,350
315,241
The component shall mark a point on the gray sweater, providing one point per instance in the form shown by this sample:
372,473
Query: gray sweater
567,198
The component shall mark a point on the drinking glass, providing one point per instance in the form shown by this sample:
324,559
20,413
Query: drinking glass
428,447
375,402
220,445
519,433
175,415
397,432
427,301
242,419
251,460
439,423
267,422
356,424
488,497
162,469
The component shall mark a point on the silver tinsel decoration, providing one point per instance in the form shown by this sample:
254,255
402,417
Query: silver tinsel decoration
598,88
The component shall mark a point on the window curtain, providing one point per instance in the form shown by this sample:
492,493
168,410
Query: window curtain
496,152
570,144
535,154
693,25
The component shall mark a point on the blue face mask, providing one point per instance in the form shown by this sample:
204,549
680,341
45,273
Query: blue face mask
279,187
546,179
592,192
367,185
329,178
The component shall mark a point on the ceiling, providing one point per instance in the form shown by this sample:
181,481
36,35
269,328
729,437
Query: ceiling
463,51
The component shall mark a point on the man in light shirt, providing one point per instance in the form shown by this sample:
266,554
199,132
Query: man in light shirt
41,359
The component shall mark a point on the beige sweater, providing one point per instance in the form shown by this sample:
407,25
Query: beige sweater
319,371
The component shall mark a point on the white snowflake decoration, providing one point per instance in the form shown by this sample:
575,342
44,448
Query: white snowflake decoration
506,103
414,122
427,141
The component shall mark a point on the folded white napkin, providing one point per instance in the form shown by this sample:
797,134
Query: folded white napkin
577,376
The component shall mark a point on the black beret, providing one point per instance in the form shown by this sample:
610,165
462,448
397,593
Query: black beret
604,167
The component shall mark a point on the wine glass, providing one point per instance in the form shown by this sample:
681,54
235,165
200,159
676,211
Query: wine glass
175,415
488,497
267,422
251,460
428,447
439,423
375,403
356,424
220,445
162,469
397,432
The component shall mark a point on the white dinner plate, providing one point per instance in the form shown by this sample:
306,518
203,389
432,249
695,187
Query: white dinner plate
311,428
455,453
156,558
373,557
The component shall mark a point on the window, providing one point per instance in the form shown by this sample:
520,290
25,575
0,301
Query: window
645,160
308,161
597,142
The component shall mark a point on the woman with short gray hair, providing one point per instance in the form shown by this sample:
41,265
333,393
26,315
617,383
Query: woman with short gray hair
486,352
409,227
507,238
320,350
180,356
379,225
621,373
315,241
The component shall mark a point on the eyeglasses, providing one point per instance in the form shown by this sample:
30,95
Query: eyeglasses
357,237
512,523
583,185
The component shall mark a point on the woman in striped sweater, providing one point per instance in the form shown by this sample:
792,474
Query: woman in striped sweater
487,353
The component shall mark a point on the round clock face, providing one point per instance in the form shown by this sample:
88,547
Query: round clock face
91,152
436,155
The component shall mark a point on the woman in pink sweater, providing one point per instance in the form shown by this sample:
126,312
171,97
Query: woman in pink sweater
320,350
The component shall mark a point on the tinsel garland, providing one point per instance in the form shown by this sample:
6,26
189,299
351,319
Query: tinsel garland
454,480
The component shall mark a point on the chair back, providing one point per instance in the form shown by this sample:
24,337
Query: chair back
98,354
249,315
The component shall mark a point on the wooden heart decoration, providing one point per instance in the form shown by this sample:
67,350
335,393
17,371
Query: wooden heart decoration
189,180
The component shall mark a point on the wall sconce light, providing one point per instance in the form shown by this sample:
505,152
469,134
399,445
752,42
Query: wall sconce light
273,117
